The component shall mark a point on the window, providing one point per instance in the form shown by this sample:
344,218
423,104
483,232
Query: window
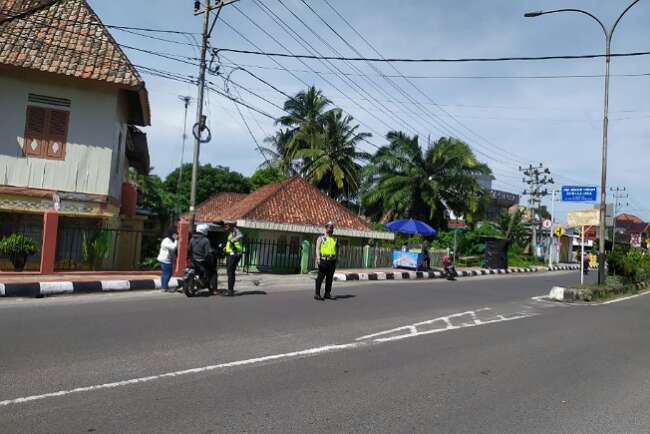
46,133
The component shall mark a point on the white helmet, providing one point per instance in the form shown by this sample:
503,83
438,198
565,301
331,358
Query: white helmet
203,228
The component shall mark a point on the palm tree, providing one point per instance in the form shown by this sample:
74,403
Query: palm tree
277,155
304,120
333,161
405,181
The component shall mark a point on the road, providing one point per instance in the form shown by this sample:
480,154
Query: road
477,355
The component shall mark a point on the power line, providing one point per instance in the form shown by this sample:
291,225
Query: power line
433,116
465,77
434,60
305,83
327,81
352,66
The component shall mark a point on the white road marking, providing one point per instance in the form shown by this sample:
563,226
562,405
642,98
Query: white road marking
618,300
303,353
411,331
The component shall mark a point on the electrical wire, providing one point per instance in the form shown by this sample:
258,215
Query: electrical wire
435,60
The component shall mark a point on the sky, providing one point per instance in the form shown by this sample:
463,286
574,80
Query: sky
511,113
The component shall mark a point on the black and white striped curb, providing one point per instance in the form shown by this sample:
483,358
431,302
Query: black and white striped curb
406,275
42,289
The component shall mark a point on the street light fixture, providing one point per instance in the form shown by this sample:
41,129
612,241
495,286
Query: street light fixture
603,173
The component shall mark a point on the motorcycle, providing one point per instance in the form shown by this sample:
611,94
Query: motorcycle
195,280
449,268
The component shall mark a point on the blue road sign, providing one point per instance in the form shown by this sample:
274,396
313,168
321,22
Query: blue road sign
579,193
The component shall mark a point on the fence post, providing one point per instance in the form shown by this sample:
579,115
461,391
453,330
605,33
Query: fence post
183,230
304,257
48,243
366,256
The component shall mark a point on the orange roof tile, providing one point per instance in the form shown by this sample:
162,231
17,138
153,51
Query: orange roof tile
66,38
292,201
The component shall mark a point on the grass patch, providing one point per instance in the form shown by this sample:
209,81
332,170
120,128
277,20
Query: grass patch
615,287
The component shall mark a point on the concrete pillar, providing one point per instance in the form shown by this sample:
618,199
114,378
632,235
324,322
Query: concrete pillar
304,257
48,244
183,244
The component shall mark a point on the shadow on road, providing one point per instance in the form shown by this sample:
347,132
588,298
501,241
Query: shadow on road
344,296
243,293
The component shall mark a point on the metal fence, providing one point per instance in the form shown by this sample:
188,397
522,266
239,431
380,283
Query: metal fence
269,256
96,248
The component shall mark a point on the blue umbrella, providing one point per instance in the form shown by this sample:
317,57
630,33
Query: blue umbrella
411,226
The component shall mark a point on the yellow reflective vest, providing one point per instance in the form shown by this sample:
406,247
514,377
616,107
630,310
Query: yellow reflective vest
328,246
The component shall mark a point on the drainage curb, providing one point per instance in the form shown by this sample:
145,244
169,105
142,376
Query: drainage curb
42,289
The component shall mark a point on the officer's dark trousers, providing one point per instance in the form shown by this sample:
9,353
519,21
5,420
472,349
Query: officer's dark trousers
325,272
233,260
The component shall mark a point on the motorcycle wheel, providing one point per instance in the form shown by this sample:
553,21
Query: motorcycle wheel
189,287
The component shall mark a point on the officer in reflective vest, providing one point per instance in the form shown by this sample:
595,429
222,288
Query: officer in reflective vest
233,253
326,261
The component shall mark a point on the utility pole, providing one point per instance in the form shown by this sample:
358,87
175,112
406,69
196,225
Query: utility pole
200,129
186,103
551,239
537,177
619,194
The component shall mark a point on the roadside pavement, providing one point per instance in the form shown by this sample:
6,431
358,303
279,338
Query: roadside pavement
30,285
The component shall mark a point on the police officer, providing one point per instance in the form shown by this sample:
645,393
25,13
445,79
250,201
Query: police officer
233,253
326,261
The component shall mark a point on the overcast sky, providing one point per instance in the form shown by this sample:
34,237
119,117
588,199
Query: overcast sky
508,121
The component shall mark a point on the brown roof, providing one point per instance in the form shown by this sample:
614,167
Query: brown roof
631,223
292,201
214,208
66,38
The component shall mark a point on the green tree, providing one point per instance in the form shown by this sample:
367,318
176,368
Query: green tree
152,195
402,180
301,128
514,226
211,180
264,176
333,162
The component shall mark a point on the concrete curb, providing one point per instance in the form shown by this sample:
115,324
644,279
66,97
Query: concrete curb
42,289
414,275
559,293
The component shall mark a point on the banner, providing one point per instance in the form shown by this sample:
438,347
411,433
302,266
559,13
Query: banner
589,217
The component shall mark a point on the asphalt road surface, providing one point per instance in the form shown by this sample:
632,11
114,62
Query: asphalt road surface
476,355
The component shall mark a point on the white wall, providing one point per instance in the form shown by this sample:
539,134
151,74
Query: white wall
89,165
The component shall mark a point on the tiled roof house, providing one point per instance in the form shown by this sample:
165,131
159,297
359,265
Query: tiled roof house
290,206
71,105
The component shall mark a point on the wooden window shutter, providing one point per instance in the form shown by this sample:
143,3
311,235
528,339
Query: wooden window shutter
57,134
35,131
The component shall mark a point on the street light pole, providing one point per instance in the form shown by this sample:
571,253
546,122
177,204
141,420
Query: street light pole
602,231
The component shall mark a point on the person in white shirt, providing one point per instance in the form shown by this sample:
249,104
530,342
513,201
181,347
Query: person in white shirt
166,257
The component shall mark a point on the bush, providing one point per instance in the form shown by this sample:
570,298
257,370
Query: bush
630,264
18,248
95,248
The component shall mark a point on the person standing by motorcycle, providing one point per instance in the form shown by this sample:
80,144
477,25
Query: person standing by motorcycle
233,253
202,257
166,258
